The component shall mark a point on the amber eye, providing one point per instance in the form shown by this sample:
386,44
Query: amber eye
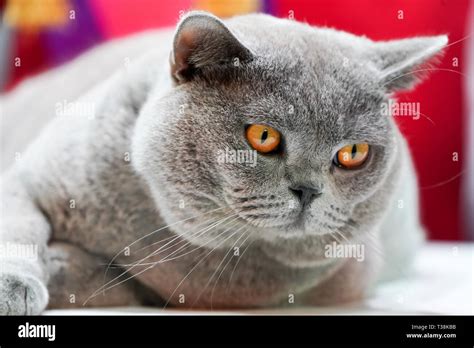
263,138
352,156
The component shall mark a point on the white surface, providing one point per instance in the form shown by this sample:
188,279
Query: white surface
442,282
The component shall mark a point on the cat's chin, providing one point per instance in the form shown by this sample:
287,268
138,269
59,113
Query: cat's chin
300,227
293,231
299,222
297,251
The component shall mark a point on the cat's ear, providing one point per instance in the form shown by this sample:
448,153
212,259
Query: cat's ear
202,40
404,63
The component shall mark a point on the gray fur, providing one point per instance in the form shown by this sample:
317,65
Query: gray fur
77,196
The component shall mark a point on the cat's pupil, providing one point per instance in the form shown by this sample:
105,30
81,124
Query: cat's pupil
264,136
354,151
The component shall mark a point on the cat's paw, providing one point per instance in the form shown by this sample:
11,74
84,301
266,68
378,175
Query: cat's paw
22,295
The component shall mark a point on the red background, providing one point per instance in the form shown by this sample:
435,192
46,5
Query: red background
441,97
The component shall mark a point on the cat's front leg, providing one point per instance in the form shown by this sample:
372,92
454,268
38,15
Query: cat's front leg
77,280
24,233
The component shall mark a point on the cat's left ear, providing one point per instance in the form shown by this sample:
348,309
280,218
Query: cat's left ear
202,40
404,63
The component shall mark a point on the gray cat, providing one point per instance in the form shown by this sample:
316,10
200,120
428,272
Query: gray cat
239,171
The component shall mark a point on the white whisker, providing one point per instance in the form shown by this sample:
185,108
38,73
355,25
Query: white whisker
187,275
219,265
104,287
173,236
227,263
240,257
166,258
421,70
151,233
197,248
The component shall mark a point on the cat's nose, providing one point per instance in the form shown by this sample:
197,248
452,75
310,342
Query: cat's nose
305,193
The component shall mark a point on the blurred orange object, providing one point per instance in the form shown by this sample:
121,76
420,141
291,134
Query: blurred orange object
36,14
228,8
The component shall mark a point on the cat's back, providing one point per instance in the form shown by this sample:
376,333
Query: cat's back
38,100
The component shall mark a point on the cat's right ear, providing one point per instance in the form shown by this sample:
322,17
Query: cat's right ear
404,63
202,40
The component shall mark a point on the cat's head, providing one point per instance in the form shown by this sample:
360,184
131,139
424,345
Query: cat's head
272,126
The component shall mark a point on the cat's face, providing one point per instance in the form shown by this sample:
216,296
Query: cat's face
319,91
